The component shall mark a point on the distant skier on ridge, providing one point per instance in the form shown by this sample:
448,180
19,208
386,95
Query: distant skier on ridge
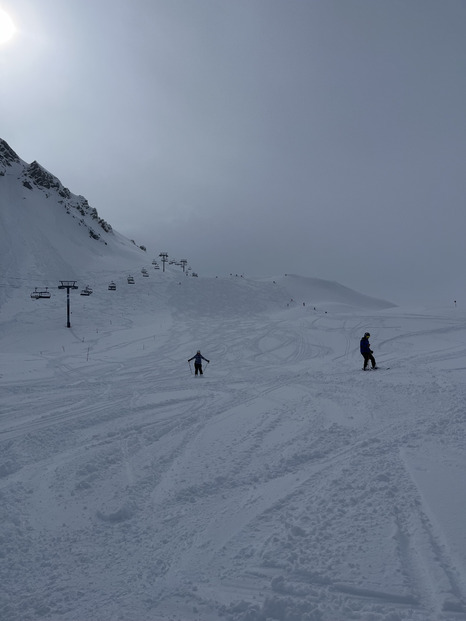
366,351
198,358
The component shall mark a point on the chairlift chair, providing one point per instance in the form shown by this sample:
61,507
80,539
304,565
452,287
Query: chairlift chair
36,295
112,286
130,280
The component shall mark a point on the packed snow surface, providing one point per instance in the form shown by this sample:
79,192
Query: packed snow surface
283,484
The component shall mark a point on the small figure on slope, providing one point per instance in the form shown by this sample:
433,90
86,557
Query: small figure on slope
366,351
198,358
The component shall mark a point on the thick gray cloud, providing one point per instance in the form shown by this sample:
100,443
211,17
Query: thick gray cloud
321,137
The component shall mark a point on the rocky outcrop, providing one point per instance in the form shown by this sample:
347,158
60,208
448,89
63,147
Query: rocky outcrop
7,157
43,179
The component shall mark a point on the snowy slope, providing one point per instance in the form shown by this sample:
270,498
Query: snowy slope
47,233
284,484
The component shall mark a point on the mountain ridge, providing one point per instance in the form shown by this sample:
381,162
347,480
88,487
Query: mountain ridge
34,175
48,231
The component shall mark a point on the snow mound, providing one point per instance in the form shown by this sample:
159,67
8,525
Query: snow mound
323,292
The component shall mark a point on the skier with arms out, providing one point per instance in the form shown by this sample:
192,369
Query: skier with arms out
366,351
198,358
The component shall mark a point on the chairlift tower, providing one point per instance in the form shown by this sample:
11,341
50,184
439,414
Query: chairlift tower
68,284
164,257
183,263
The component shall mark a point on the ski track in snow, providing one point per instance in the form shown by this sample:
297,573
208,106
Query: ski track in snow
283,484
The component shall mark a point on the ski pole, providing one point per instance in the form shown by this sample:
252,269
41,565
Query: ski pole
190,367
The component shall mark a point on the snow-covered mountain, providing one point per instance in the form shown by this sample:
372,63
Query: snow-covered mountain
48,233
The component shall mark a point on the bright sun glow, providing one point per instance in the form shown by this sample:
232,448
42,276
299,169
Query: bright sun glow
7,27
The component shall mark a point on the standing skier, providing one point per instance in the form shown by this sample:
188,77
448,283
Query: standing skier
198,358
366,351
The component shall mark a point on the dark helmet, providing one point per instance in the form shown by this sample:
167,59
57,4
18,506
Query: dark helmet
367,334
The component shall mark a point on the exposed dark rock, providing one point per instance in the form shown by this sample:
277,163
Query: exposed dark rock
7,155
43,179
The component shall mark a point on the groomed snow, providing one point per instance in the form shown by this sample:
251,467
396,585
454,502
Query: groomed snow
283,484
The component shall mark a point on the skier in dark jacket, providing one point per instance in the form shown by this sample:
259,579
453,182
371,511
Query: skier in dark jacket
366,351
198,358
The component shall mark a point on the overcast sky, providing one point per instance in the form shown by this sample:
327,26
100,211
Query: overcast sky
325,138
